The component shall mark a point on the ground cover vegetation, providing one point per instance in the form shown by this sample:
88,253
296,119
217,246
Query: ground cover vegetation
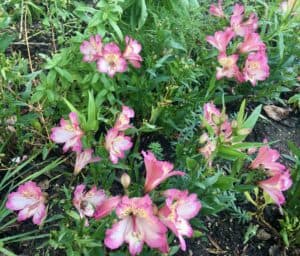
142,127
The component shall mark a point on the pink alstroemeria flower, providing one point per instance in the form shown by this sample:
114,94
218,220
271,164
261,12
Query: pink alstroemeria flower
29,201
117,143
69,133
221,39
252,42
137,225
229,67
274,186
266,158
217,10
157,171
86,203
123,120
256,67
106,207
237,17
243,28
92,49
179,208
132,51
83,158
111,61
249,26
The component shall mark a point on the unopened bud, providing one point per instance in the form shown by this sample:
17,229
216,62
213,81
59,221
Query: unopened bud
244,131
155,209
125,180
234,124
216,119
203,138
251,151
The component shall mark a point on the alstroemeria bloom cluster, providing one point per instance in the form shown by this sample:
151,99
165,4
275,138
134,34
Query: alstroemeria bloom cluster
220,130
139,222
252,49
109,58
70,134
30,201
279,176
115,140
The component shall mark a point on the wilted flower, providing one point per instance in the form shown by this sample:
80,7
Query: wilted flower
137,225
179,208
229,67
225,130
266,158
69,133
92,49
211,113
29,201
84,158
86,203
157,171
274,186
132,51
221,39
123,120
207,150
111,61
217,10
252,43
117,143
256,67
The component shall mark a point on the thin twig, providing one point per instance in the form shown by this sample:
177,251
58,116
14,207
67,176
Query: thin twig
21,22
30,43
53,39
26,40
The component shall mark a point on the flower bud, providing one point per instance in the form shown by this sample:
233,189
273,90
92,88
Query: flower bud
234,124
203,138
244,131
125,180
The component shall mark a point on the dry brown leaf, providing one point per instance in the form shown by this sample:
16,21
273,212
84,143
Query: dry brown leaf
276,113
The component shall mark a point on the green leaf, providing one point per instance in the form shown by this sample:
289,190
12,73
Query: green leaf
73,215
64,73
191,163
247,145
116,29
281,45
225,182
211,180
143,15
51,77
230,154
252,119
241,113
211,87
92,122
5,41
